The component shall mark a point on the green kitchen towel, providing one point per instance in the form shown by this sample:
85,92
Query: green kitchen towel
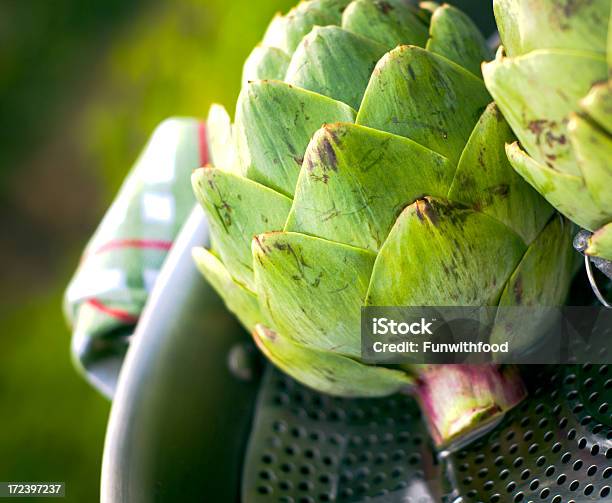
121,261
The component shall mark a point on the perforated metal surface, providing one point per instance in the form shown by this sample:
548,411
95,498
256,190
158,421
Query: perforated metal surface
307,448
554,448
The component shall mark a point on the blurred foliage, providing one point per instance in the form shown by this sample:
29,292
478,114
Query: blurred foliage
52,422
176,60
43,45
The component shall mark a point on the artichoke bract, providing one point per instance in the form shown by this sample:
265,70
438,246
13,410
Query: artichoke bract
551,81
366,166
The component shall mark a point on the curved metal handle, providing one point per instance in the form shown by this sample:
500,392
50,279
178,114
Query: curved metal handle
593,282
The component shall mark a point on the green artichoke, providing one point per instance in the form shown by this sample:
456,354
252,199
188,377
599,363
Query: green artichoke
366,166
551,81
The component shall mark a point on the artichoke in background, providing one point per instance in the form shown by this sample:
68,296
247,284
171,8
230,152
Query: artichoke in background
551,81
366,166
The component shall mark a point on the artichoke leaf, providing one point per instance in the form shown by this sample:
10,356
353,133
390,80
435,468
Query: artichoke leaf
329,372
593,148
357,180
220,139
537,281
424,97
265,63
486,181
390,23
274,123
336,63
439,254
600,243
238,209
536,93
454,35
276,35
527,25
286,32
238,299
567,193
598,104
311,289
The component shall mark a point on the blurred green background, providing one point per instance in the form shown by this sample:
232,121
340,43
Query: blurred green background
82,86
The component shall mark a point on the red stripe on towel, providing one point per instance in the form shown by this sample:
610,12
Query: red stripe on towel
118,314
150,244
203,144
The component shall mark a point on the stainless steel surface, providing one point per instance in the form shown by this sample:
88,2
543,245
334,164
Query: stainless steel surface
306,447
556,447
179,419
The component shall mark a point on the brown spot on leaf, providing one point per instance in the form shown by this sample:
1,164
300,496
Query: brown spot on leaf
501,190
570,8
481,158
496,112
419,213
551,139
518,289
224,215
544,131
309,163
411,72
281,246
336,132
327,154
259,240
384,7
424,209
537,126
269,334
323,178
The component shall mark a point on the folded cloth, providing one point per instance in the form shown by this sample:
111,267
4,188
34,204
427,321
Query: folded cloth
121,261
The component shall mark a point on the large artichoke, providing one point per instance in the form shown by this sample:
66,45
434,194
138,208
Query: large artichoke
366,166
551,82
